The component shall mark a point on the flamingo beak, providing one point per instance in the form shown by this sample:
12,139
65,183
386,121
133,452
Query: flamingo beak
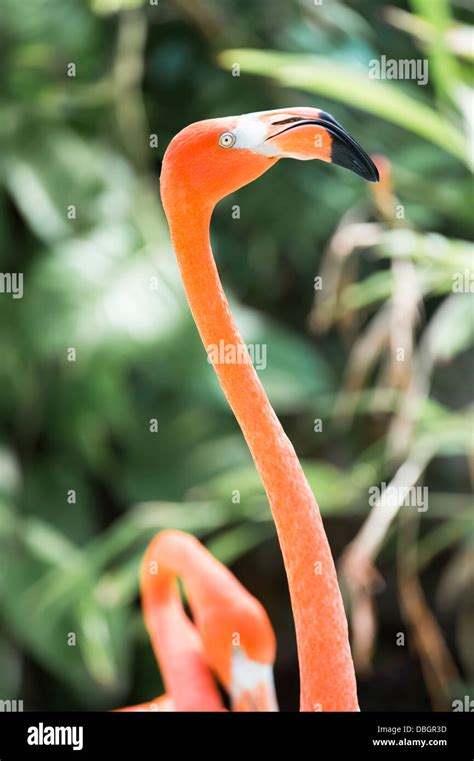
252,686
316,135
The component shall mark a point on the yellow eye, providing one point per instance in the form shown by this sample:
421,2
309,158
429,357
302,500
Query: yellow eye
227,140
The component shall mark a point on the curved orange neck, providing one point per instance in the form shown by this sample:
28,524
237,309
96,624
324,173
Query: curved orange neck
176,642
326,668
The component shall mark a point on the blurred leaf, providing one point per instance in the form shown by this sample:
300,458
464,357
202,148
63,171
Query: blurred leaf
453,328
233,543
442,537
9,472
48,545
10,671
442,63
100,638
115,6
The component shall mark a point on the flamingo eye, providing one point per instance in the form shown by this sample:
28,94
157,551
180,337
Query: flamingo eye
227,140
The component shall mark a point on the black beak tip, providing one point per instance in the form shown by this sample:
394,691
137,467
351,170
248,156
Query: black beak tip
351,156
345,151
374,176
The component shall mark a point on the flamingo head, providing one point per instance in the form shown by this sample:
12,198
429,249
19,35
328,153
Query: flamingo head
238,641
212,158
230,629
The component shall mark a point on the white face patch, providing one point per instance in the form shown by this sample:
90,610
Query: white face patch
250,133
248,677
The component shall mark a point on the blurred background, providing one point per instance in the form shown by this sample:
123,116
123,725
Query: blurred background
102,341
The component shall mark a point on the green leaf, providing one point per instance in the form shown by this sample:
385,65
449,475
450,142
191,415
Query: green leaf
232,544
49,545
442,63
452,327
100,638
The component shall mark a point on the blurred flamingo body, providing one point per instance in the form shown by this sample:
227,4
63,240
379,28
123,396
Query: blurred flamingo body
227,620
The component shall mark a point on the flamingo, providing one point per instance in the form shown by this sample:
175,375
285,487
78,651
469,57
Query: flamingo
231,635
204,163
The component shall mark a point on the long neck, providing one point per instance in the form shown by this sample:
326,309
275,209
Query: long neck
326,668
